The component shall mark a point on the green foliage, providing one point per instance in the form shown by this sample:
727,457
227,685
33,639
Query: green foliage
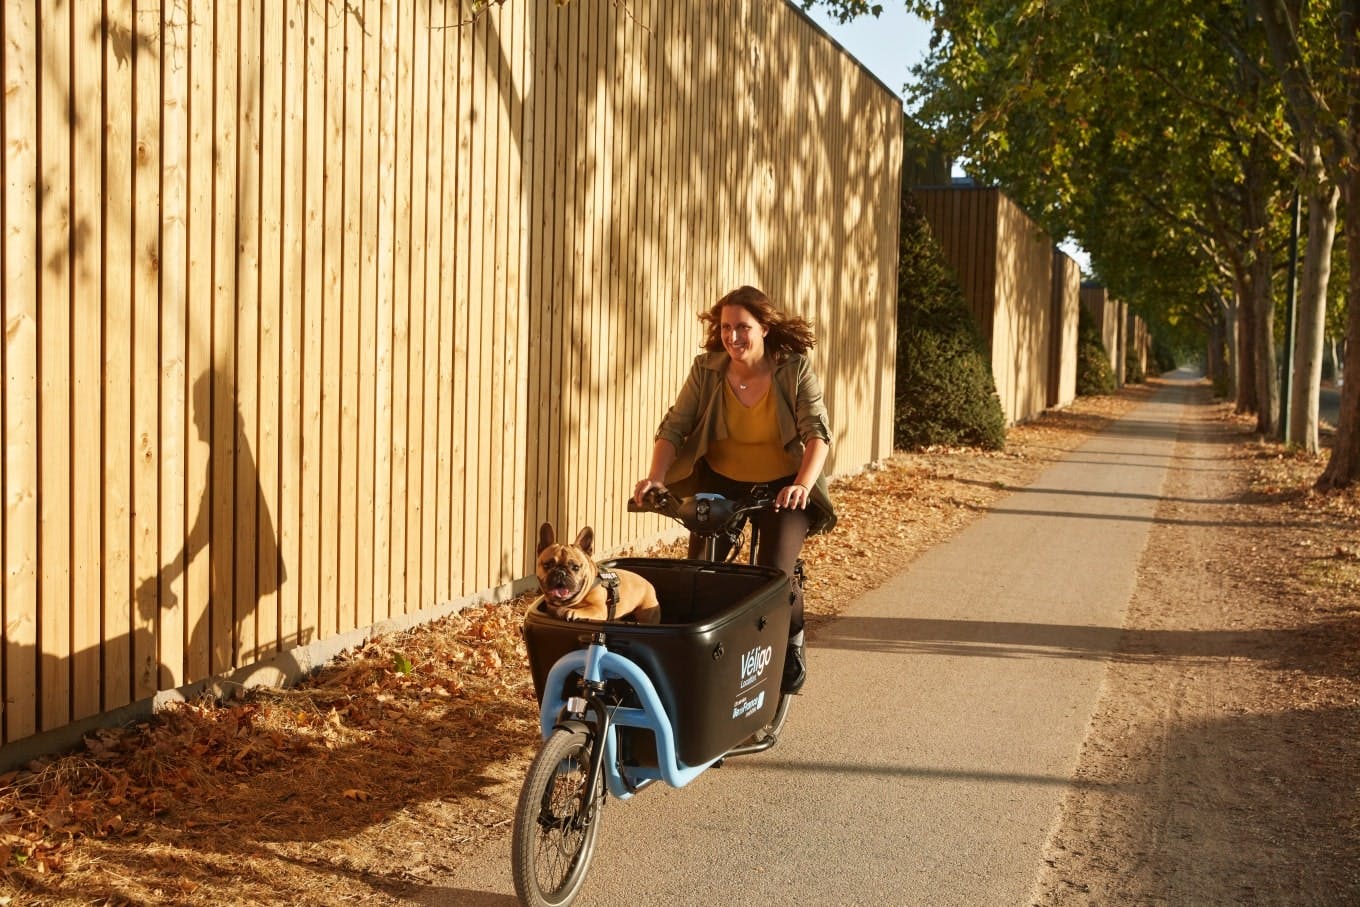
1143,131
945,390
1133,367
1164,357
845,10
1094,375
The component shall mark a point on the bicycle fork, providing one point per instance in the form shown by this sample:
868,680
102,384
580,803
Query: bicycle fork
590,700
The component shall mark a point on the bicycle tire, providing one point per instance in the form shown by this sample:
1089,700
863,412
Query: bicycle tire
554,839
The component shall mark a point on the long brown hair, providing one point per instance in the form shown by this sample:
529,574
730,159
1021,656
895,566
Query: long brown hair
787,333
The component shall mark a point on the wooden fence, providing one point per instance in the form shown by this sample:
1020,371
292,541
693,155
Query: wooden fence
1139,343
1004,263
1063,319
1108,315
315,308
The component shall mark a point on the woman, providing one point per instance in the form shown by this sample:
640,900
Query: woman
751,413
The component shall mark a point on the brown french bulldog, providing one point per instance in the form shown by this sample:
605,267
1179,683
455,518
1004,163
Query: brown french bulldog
567,575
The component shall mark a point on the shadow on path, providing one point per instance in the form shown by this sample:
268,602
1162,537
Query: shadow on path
1311,648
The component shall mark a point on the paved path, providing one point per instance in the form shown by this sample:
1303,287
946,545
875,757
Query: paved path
927,758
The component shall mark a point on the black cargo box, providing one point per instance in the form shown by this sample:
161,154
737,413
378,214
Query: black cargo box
716,658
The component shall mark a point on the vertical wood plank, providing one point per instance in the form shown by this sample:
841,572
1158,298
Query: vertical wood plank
316,156
54,427
446,76
516,560
199,351
424,187
623,217
335,224
268,514
292,338
145,352
547,85
20,238
389,435
403,559
549,256
584,447
539,261
248,333
348,447
665,336
608,300
495,325
572,242
375,180
441,218
86,353
443,138
119,602
489,300
174,316
225,417
628,208
475,369
560,323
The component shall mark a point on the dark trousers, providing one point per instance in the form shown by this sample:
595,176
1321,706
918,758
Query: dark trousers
781,533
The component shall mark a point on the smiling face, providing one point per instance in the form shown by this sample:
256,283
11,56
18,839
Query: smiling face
742,335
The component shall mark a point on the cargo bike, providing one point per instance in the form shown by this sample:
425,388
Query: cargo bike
624,705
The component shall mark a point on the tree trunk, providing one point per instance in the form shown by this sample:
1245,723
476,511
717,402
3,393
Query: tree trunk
1215,364
1245,350
1260,300
1306,382
1343,467
1230,351
1267,375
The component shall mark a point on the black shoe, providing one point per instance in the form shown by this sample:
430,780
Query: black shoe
795,670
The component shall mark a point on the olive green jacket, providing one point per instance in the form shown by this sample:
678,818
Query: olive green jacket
697,418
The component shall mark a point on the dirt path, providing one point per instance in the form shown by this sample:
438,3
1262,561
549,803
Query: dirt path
1222,764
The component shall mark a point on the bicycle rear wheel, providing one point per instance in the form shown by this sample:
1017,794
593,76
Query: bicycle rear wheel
556,822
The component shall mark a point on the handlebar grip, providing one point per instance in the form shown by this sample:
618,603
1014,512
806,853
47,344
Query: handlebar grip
654,501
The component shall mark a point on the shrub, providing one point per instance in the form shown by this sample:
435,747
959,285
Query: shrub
1094,375
1164,358
1133,367
945,391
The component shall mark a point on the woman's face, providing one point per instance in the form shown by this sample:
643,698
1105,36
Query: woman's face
742,335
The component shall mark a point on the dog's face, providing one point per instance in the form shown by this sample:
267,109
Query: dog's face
565,572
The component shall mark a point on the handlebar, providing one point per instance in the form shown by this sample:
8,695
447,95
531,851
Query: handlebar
702,514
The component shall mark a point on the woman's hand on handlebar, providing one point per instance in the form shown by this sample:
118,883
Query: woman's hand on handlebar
645,486
792,497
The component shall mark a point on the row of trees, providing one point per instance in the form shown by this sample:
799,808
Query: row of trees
1177,141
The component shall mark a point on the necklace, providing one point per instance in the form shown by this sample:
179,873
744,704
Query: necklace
743,385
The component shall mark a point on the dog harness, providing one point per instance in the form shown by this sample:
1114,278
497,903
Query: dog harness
610,580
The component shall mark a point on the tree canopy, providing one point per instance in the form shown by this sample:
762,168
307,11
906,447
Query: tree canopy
1167,139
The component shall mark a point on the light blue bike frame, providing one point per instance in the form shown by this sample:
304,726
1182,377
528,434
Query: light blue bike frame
596,664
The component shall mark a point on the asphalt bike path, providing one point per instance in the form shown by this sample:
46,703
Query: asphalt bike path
926,760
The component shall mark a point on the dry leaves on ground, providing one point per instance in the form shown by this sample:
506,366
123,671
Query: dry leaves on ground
377,774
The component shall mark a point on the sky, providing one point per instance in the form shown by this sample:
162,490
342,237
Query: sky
889,45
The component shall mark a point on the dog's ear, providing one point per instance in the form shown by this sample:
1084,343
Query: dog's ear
546,537
585,539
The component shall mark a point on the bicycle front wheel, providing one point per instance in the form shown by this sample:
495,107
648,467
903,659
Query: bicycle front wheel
556,822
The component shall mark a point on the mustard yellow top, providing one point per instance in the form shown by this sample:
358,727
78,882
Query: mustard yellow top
751,452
